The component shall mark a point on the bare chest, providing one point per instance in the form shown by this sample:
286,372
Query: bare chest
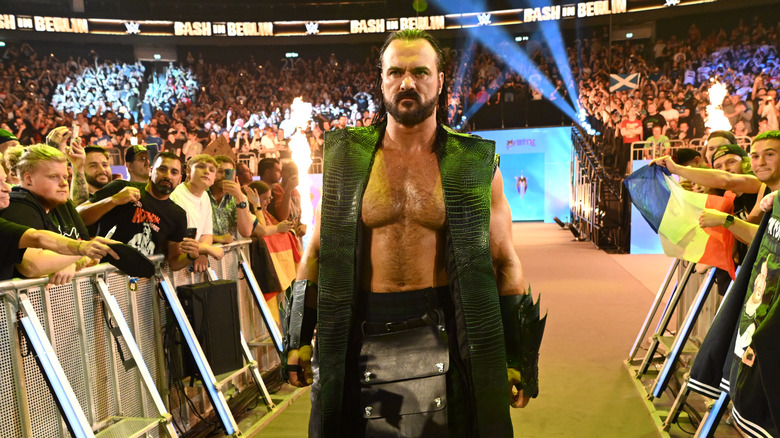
404,190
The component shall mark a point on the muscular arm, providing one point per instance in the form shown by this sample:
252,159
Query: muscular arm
716,179
509,272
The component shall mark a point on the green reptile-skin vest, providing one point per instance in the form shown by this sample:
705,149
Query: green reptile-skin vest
467,166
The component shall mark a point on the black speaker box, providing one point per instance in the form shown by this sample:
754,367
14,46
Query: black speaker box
212,309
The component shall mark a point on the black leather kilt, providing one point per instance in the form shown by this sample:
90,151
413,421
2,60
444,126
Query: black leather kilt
404,380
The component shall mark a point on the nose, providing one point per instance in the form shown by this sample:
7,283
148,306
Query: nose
407,83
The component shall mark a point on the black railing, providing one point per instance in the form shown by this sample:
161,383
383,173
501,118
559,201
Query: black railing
599,204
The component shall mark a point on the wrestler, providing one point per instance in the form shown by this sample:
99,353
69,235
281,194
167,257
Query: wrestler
410,257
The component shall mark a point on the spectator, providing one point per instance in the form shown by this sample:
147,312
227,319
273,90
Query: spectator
229,207
143,215
192,197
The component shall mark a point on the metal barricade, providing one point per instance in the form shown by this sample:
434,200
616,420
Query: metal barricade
645,150
74,321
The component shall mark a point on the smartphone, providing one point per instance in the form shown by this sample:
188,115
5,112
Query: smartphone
75,130
191,232
230,174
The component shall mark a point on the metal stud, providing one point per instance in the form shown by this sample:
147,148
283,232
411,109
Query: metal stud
440,367
436,401
370,410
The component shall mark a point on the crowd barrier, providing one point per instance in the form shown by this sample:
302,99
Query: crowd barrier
598,204
659,361
75,318
643,150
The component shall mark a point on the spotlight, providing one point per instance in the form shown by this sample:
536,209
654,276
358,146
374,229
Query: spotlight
157,56
629,35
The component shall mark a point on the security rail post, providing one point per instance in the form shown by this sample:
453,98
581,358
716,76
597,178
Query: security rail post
218,401
265,312
52,371
683,334
252,364
665,318
659,296
115,313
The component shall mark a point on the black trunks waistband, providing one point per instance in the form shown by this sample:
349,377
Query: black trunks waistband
399,306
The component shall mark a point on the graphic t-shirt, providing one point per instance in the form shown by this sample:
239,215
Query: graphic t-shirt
755,388
147,224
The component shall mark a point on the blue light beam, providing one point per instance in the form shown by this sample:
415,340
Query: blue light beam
552,36
493,38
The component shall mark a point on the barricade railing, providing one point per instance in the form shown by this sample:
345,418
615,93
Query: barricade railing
597,201
74,320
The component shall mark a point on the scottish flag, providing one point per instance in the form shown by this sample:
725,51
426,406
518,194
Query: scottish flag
623,82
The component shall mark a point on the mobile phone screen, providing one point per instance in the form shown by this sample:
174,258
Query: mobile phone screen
230,174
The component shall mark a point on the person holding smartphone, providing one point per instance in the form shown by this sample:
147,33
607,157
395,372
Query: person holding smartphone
230,215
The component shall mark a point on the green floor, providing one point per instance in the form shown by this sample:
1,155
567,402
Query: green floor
595,310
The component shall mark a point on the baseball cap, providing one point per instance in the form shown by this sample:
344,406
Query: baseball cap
132,151
6,135
683,156
728,149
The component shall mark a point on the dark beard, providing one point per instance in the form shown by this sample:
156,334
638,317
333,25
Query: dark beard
95,183
160,189
410,117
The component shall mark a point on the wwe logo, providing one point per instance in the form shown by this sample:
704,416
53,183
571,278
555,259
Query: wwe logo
672,2
484,19
312,28
132,27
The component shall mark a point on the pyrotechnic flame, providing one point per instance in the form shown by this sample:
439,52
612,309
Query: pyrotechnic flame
716,119
300,114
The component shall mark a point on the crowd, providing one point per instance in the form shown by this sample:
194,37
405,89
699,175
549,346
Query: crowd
678,74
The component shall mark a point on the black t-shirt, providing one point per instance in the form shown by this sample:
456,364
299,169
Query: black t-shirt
10,234
25,209
147,225
651,121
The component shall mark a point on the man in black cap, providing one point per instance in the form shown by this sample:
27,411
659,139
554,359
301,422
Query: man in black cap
688,157
137,163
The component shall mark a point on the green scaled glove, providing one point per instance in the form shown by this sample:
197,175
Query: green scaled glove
523,331
298,322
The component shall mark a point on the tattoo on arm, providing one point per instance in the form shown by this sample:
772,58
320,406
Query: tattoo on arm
78,192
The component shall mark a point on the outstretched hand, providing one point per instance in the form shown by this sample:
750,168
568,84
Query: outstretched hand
667,162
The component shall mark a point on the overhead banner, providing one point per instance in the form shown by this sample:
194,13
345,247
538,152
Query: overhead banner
238,29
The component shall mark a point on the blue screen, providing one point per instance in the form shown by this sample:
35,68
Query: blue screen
536,167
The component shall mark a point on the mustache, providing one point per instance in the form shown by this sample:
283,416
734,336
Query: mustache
407,94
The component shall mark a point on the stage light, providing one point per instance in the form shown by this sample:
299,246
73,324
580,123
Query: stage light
2,43
291,55
629,35
157,56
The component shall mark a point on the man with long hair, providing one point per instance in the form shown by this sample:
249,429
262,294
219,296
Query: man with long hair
411,277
